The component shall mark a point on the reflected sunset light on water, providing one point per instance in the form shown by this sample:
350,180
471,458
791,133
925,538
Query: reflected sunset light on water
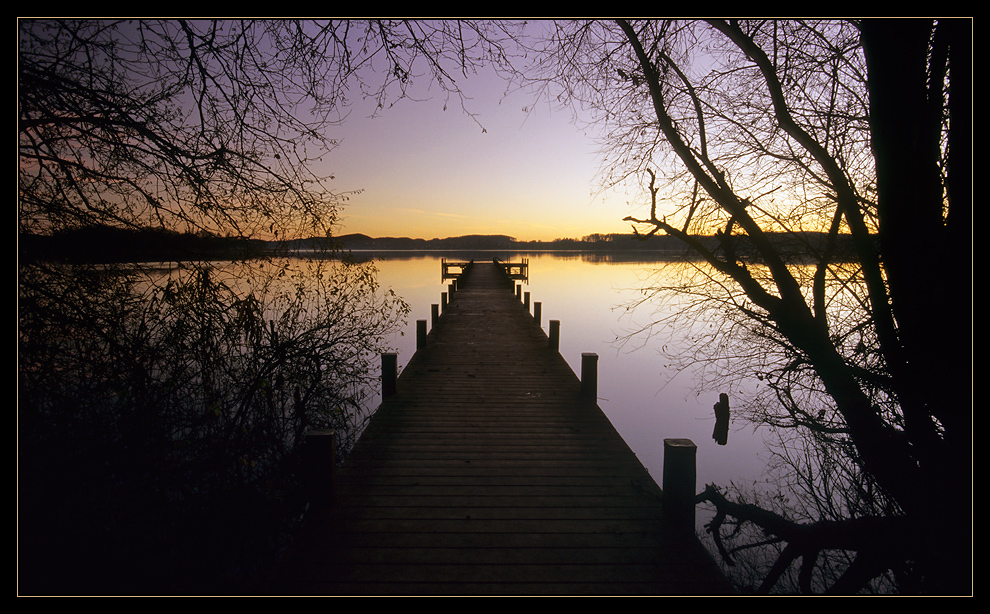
645,401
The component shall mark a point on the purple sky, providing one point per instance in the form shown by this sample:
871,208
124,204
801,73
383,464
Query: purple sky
427,172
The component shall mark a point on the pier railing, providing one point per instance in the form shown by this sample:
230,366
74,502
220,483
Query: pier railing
453,269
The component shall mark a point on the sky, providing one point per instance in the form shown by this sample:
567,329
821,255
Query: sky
425,172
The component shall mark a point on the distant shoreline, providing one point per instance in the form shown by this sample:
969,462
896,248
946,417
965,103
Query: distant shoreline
795,246
102,244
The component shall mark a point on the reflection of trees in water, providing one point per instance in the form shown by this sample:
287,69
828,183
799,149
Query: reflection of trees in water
163,409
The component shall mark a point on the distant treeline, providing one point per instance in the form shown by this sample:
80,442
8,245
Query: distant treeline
107,244
793,246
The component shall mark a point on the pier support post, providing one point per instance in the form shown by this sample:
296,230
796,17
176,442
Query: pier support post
390,372
538,312
589,375
554,334
435,315
319,453
518,291
526,300
679,475
443,300
420,333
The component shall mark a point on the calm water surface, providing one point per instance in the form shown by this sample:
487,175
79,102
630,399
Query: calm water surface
644,399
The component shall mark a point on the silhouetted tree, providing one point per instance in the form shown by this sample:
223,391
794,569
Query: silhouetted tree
192,124
860,129
159,408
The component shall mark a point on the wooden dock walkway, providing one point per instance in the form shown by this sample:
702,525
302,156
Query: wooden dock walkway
488,472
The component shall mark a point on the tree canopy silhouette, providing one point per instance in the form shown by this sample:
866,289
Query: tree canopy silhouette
210,124
857,128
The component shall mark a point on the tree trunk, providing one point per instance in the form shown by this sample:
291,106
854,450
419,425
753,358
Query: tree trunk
925,264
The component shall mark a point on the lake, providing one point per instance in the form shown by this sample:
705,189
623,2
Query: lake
645,398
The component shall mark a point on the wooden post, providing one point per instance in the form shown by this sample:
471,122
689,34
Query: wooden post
526,300
679,475
443,301
589,375
554,334
450,291
518,291
435,315
390,372
320,467
538,312
420,333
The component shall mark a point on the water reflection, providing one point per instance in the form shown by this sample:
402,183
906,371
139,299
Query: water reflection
643,396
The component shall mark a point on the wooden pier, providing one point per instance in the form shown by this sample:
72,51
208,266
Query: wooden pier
489,469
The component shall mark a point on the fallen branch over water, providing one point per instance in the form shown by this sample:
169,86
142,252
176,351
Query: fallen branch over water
879,543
